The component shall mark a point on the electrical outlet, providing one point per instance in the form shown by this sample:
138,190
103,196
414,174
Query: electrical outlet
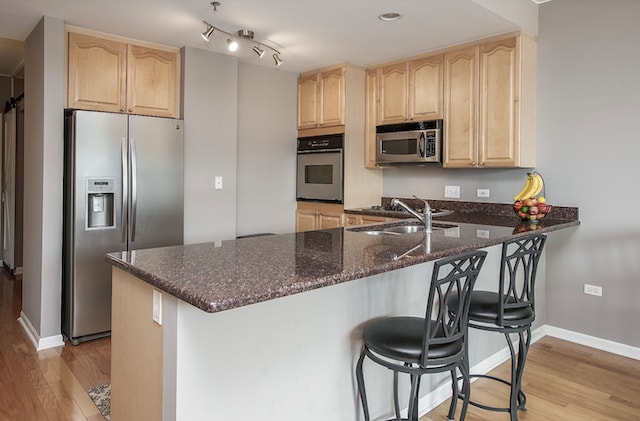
157,307
452,192
593,290
483,192
482,233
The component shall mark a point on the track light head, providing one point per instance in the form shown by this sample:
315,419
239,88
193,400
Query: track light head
206,35
232,44
277,59
259,51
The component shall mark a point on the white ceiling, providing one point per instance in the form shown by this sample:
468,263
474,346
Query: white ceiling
309,33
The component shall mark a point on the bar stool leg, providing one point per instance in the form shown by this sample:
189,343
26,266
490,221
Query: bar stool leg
363,394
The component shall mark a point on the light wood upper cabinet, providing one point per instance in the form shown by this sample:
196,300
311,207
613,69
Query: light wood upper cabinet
109,75
371,101
97,74
151,81
308,101
425,88
460,107
411,91
393,83
321,98
489,105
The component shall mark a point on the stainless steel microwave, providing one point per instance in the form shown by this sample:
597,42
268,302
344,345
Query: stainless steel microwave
414,142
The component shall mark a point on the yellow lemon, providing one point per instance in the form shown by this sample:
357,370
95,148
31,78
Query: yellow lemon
541,199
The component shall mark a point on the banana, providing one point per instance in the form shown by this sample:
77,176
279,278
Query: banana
534,186
539,185
525,188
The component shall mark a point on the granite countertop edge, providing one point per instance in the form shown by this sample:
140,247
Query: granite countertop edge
198,297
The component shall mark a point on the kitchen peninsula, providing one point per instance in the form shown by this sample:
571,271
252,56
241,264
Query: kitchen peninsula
269,327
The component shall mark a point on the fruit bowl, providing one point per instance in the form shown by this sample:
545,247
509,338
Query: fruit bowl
532,210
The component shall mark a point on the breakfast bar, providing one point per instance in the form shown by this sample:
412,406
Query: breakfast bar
269,327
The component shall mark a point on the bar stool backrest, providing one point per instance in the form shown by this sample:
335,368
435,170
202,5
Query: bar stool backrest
453,276
518,269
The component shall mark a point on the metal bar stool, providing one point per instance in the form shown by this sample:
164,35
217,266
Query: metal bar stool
433,344
509,310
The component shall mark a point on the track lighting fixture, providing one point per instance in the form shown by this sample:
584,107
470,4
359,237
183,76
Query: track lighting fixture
206,35
243,35
232,44
259,51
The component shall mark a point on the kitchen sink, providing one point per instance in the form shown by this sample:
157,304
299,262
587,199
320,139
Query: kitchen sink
398,228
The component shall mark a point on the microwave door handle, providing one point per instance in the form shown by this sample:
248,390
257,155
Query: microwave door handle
422,146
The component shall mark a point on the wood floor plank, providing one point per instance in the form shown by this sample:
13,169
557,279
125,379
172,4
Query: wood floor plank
563,381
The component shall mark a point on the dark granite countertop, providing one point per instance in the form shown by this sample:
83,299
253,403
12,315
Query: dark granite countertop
229,274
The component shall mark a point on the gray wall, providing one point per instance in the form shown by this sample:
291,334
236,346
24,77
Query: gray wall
267,133
588,110
44,74
588,107
210,109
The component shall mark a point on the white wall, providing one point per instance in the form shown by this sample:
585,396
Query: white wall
210,109
44,144
267,99
588,93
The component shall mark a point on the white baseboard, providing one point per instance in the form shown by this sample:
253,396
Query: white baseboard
593,342
39,343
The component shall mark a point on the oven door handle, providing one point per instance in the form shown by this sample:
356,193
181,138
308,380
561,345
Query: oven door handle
320,151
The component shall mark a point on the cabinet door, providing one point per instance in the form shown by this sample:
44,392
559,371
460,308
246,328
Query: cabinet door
96,74
460,108
332,98
308,102
371,101
306,220
393,94
351,220
368,219
425,88
499,84
329,220
151,81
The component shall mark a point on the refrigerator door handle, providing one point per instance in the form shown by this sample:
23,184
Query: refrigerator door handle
125,187
134,189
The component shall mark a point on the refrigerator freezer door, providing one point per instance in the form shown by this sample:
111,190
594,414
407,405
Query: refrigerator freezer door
93,151
156,182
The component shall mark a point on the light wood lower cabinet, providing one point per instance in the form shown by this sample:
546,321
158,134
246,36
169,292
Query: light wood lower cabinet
352,220
316,216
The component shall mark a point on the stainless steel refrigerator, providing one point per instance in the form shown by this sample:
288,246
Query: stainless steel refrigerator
123,190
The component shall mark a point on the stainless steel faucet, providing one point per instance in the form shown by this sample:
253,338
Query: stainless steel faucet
425,219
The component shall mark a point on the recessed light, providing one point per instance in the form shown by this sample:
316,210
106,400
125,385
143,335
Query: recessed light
540,1
389,16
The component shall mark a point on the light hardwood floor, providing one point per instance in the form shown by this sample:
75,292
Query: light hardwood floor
51,384
563,381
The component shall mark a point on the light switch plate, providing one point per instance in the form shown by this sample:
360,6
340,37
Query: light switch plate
452,192
218,182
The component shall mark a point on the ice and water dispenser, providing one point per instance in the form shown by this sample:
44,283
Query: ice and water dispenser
100,203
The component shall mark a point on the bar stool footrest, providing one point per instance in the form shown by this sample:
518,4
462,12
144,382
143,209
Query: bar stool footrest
521,395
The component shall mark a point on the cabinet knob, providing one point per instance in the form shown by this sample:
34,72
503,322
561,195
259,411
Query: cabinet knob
130,110
121,109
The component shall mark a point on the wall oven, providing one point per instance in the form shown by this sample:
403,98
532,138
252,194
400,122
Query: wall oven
320,168
413,142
